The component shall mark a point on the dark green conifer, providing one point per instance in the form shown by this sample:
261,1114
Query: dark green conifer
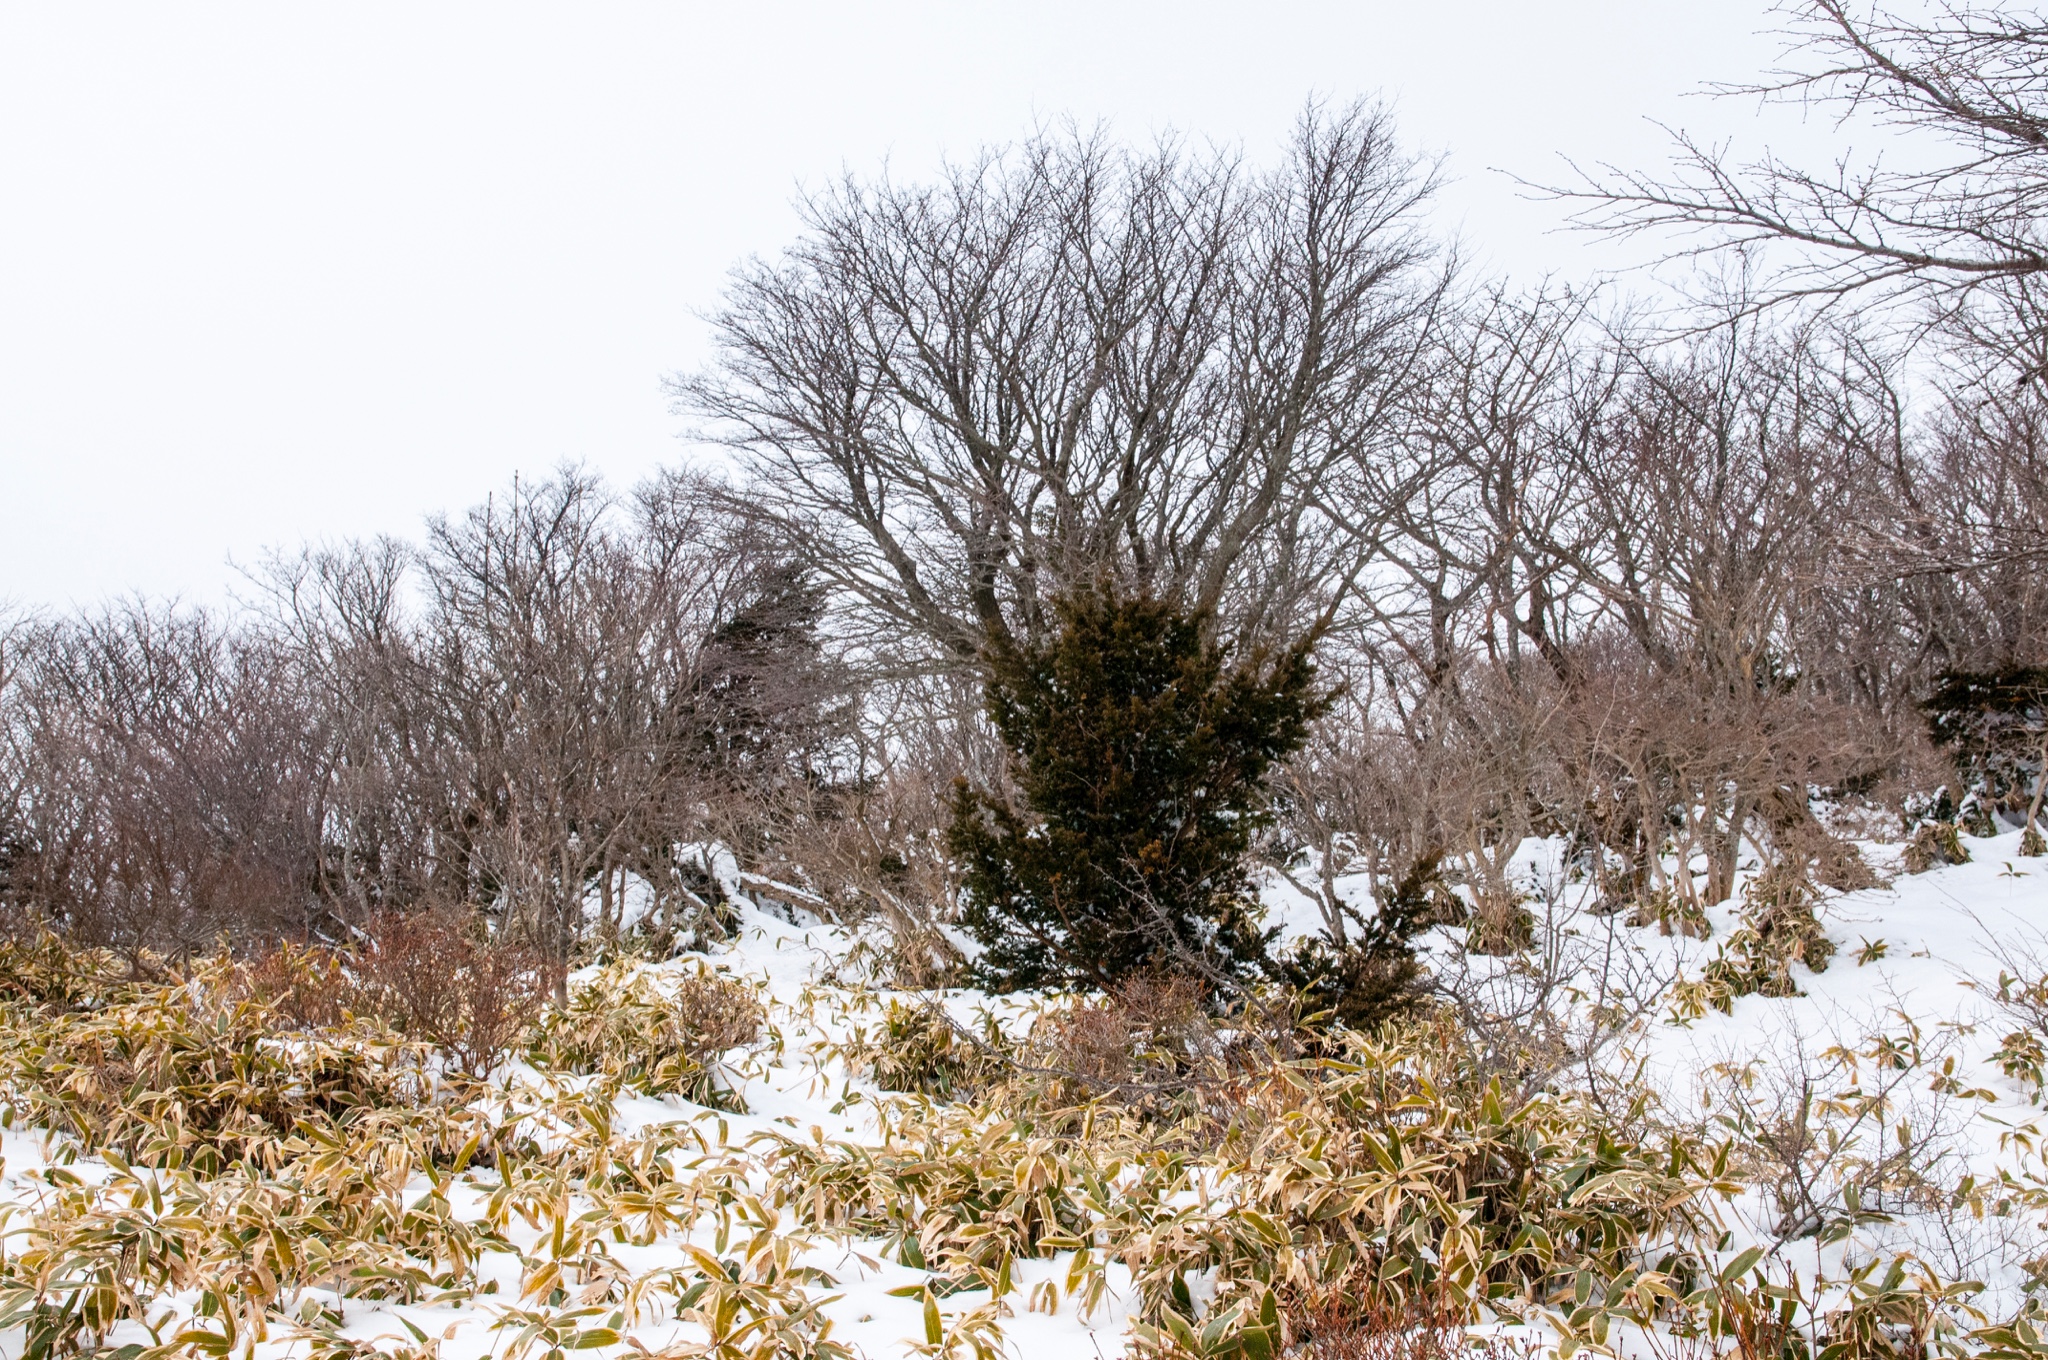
1139,750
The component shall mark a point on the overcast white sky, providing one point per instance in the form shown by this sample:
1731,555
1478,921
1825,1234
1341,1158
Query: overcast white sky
278,272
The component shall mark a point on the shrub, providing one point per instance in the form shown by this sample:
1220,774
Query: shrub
171,1073
41,970
918,1050
1778,929
1994,724
1149,1049
1373,977
1671,912
1353,985
1780,903
1933,845
623,1026
436,976
1139,750
1353,1323
307,989
1393,1174
1142,1040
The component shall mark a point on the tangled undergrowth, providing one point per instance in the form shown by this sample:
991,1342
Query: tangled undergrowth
243,1165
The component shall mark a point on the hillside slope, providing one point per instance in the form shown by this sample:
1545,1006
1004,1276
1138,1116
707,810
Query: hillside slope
1886,1109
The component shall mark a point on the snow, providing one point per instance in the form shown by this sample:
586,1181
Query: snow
1945,936
718,862
637,901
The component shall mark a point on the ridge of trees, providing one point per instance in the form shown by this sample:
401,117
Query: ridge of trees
1563,576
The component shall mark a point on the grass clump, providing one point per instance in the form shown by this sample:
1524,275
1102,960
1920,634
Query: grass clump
169,1073
1383,1173
1249,1194
917,1049
653,1039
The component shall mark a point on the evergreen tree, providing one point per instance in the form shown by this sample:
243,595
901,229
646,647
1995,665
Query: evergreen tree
1995,725
1139,750
1374,976
767,706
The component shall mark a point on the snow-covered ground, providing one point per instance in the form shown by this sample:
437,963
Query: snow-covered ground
1899,1037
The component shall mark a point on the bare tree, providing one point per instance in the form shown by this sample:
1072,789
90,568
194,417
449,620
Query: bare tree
1968,514
560,688
1971,80
1718,484
169,778
1610,613
18,783
1066,359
